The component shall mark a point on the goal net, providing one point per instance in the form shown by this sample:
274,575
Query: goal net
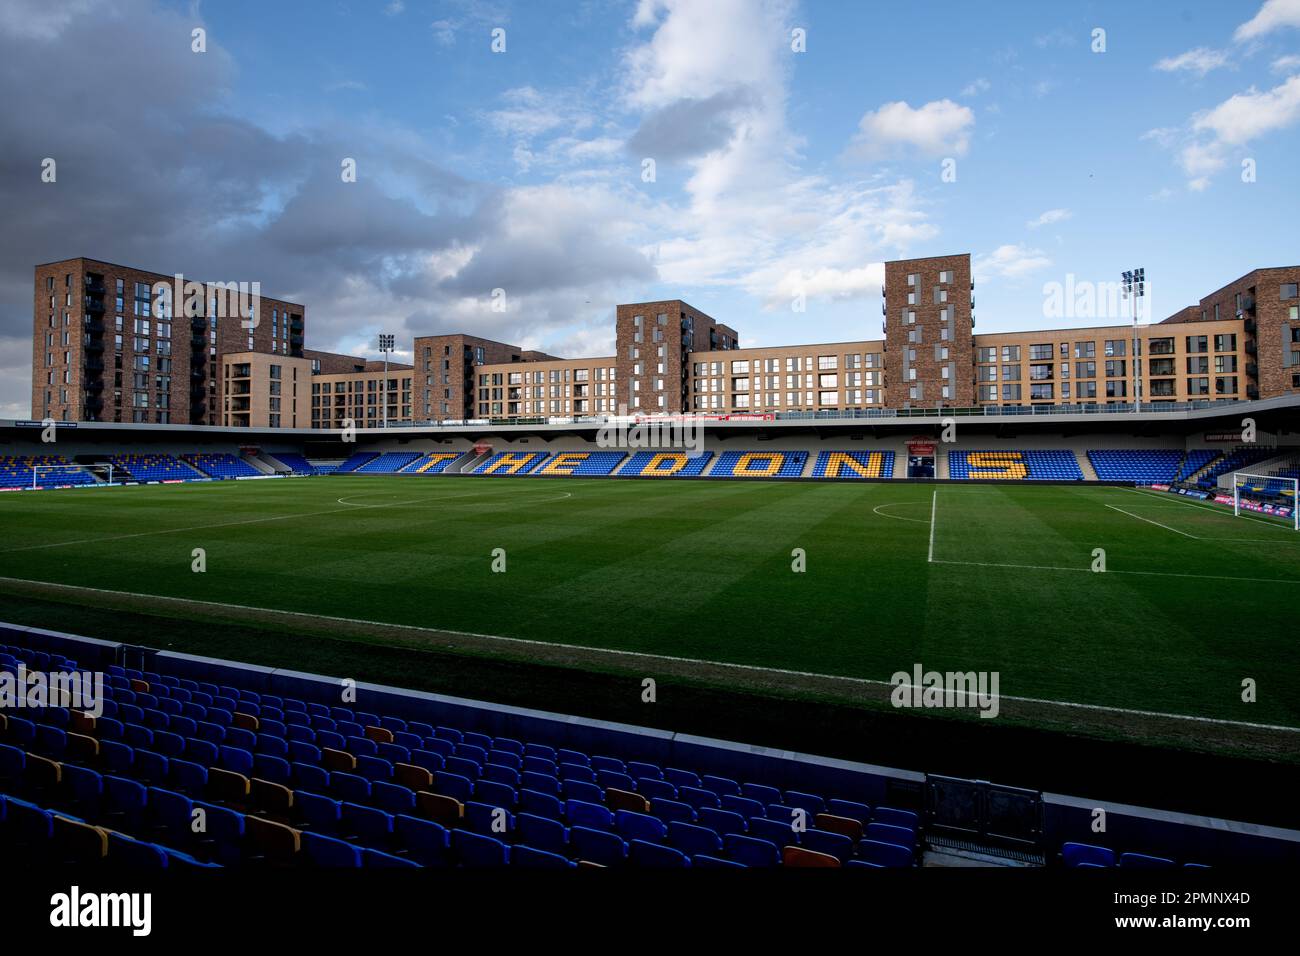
1266,495
50,474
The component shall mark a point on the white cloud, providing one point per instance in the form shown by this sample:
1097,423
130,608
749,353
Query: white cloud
395,8
976,87
938,128
1285,64
1050,217
1009,261
1247,115
1199,61
1273,15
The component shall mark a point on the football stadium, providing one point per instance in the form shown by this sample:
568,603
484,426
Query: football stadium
462,446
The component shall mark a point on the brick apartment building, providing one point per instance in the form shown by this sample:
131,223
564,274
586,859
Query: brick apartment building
101,353
1240,342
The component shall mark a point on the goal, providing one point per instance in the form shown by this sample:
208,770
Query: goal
1266,495
40,470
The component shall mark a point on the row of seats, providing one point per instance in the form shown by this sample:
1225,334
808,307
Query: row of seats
1236,460
17,471
387,463
356,460
1087,855
760,464
349,775
1040,465
432,463
1146,466
221,465
297,464
854,464
153,467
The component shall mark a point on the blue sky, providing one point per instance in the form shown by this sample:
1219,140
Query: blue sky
777,173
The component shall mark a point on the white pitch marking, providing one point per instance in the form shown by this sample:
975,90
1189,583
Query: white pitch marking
934,506
1156,523
661,657
895,504
1210,508
1162,574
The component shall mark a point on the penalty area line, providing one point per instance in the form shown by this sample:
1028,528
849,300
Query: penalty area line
638,655
1156,523
1161,574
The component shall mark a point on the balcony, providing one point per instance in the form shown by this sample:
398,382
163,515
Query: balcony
197,374
197,341
93,306
94,365
94,385
1251,326
1252,370
1251,348
94,285
93,326
94,346
198,324
94,403
198,411
295,323
1252,391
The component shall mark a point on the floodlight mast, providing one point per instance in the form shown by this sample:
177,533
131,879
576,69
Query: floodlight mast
1134,289
386,346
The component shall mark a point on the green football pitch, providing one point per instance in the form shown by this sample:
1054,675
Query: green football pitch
849,580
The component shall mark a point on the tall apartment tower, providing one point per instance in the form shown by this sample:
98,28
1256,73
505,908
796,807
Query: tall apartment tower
929,332
101,353
654,342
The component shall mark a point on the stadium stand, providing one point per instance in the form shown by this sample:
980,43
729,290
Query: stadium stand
759,464
434,463
1196,459
356,461
1146,466
221,465
510,463
387,463
297,464
1086,855
1046,465
666,464
298,782
16,471
854,464
155,468
582,464
1234,461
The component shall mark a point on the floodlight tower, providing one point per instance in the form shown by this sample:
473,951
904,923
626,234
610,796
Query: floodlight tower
386,346
1135,283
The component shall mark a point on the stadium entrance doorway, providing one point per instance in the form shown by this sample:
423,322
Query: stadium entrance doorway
920,459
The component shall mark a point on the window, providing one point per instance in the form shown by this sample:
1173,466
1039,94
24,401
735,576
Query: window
1011,353
1116,368
986,354
1085,349
1161,347
1040,351
1288,290
1010,393
1198,343
1226,342
1041,391
825,362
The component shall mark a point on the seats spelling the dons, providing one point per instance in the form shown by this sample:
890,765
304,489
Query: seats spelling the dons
388,463
596,464
666,464
854,464
154,468
1050,465
221,465
16,472
433,463
510,463
289,781
760,464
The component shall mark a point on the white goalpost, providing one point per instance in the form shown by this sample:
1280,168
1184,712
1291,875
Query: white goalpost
39,470
1266,495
